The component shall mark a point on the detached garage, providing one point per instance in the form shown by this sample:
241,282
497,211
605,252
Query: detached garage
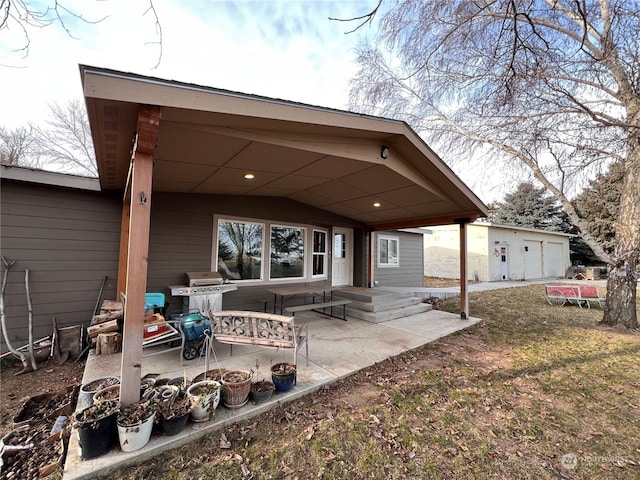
497,252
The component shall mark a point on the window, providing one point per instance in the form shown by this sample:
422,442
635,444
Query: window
319,253
287,252
388,252
240,247
254,250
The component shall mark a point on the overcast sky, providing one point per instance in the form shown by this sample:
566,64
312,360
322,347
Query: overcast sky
287,49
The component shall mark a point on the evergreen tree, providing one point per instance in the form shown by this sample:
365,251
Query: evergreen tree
530,207
599,203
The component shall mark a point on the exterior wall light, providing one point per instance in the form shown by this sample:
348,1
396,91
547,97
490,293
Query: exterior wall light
249,176
377,204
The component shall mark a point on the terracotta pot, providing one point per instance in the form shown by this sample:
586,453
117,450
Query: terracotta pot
236,385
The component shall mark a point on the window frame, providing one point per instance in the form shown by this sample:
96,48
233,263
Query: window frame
266,250
324,254
388,238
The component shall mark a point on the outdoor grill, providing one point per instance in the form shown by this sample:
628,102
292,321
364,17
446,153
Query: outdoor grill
203,291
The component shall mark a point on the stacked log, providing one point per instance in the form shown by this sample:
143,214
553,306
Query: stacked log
104,332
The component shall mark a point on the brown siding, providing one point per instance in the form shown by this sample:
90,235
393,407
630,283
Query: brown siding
182,236
68,239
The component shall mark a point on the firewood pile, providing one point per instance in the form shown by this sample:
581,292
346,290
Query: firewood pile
104,332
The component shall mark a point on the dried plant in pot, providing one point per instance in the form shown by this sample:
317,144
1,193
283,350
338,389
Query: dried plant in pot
261,389
283,376
236,385
96,427
135,423
88,390
206,395
174,407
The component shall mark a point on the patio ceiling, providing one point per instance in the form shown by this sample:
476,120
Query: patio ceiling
209,139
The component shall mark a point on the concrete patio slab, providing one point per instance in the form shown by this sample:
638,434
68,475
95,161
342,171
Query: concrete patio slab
337,349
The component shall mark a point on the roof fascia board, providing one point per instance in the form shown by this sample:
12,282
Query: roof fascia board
43,177
522,229
119,86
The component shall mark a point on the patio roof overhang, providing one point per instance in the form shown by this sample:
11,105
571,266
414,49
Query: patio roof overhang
208,139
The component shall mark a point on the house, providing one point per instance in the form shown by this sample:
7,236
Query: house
497,252
265,192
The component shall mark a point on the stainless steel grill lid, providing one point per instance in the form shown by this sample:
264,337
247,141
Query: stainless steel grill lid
195,279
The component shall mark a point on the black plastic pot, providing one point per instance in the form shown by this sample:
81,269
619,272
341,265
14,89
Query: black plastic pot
97,437
173,426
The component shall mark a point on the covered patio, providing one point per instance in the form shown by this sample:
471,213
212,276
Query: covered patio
202,156
337,350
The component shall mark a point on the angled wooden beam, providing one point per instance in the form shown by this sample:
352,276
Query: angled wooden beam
138,253
426,222
124,247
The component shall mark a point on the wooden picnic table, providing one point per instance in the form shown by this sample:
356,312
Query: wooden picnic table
322,300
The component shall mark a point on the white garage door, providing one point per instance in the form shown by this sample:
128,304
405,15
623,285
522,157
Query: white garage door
553,260
532,260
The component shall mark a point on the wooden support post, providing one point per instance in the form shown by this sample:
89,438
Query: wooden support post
138,252
464,281
372,259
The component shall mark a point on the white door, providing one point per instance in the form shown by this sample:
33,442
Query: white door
341,258
504,262
553,260
532,260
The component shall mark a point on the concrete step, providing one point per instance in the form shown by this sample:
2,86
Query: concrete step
386,315
374,296
392,304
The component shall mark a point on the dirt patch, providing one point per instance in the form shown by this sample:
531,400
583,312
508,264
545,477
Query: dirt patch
48,378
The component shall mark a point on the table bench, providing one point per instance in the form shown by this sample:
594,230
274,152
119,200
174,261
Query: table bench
320,307
582,295
238,327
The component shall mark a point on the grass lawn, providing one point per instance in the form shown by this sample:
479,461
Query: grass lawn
532,392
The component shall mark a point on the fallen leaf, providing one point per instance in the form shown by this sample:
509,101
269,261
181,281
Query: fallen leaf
224,442
310,431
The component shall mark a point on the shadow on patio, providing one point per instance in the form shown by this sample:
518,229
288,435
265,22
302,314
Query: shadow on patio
336,349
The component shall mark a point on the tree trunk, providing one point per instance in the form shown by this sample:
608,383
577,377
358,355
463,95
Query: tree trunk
620,308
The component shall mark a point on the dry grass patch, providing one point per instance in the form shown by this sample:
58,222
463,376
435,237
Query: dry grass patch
509,398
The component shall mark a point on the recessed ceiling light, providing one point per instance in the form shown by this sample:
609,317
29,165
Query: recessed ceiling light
249,176
377,204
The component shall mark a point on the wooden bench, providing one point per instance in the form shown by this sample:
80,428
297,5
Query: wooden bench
319,307
237,327
582,295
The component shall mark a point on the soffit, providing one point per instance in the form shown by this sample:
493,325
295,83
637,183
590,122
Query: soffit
334,166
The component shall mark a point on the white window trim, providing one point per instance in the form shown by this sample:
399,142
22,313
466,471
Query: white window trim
325,254
266,242
388,238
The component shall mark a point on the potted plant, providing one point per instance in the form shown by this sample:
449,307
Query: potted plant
206,395
261,389
236,385
174,407
96,427
283,376
87,390
135,423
